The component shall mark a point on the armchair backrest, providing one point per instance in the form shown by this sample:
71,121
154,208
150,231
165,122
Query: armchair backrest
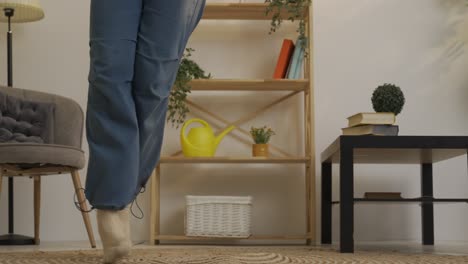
68,118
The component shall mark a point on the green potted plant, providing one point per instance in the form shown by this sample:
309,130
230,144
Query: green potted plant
261,137
188,70
296,9
388,98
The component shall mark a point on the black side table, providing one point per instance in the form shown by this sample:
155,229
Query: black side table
348,150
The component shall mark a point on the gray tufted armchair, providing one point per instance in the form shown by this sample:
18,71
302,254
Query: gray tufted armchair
41,134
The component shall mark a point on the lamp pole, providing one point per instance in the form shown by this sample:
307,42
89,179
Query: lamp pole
11,238
10,12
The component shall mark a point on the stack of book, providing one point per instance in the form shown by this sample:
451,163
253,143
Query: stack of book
379,124
290,60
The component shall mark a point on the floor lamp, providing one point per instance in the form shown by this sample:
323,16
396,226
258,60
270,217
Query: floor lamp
16,11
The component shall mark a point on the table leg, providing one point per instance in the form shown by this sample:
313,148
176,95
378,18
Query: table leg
326,203
427,209
346,200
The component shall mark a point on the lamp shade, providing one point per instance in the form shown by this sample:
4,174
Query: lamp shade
25,10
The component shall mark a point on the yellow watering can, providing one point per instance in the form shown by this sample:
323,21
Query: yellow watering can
201,141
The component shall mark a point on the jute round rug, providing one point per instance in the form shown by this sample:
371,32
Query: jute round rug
232,255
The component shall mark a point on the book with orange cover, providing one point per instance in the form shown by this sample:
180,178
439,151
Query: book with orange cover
283,59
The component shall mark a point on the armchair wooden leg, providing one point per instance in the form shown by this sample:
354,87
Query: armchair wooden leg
82,200
37,208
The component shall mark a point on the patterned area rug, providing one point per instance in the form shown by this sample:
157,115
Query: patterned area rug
232,255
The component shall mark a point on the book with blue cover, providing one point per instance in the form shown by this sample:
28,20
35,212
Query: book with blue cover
296,60
297,74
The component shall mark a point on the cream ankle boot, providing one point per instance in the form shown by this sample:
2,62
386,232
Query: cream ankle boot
114,229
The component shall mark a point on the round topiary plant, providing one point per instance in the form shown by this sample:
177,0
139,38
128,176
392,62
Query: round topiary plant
388,98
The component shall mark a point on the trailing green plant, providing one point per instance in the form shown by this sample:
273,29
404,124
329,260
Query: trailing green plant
261,135
296,9
388,98
188,70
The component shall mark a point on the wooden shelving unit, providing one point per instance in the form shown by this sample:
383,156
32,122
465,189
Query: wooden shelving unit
250,11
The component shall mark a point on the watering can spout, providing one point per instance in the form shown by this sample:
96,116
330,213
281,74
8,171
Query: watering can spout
222,135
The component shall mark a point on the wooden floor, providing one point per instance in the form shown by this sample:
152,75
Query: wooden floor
451,248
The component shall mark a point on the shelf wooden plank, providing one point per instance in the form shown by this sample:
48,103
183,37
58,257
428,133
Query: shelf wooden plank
254,237
249,85
222,160
240,11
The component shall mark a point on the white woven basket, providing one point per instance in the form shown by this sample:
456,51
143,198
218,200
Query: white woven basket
218,216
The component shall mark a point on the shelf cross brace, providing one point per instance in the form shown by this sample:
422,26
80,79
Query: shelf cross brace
242,120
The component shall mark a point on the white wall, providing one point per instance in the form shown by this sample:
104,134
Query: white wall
358,45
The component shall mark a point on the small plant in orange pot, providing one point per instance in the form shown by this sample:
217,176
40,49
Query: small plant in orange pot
261,137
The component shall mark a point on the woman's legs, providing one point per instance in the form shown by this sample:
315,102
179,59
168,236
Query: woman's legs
136,47
111,122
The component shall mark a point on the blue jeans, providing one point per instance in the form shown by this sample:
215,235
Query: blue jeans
135,50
